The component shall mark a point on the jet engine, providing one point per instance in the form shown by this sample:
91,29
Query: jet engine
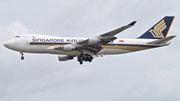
65,58
93,41
68,48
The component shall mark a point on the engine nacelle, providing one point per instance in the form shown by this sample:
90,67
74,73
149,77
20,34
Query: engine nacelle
93,41
64,58
67,48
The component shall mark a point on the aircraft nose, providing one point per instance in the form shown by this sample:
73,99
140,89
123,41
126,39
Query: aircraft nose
6,44
9,44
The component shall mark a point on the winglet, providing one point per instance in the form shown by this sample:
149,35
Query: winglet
132,23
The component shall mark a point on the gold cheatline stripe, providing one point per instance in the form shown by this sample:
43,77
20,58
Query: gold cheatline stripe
170,26
131,48
124,47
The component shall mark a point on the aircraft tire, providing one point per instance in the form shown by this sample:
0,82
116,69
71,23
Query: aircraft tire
81,62
22,57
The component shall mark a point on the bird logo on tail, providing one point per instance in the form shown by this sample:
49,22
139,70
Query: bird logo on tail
157,32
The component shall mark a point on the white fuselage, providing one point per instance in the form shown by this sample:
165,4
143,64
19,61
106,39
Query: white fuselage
31,43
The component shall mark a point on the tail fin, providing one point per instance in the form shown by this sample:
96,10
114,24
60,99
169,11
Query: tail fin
159,30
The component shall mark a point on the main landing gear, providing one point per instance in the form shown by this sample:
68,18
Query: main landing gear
22,57
84,57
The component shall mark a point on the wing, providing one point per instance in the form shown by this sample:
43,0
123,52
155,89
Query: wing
116,31
109,36
93,45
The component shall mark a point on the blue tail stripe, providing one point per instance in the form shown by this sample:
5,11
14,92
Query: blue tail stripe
159,30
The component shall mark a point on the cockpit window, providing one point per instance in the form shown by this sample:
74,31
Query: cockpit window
17,36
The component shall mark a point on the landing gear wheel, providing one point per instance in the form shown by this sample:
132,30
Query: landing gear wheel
22,57
81,62
84,57
90,59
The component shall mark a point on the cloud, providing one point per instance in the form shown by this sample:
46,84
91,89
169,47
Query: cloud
144,75
15,28
167,79
81,73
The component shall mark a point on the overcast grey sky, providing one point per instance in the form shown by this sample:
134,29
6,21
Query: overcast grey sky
150,75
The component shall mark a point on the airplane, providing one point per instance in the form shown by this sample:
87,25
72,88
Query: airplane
85,49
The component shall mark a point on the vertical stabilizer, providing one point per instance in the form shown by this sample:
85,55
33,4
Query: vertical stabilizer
159,30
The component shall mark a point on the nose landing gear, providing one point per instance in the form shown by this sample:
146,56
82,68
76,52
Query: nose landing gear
22,57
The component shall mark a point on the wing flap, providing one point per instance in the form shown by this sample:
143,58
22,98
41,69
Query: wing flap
91,48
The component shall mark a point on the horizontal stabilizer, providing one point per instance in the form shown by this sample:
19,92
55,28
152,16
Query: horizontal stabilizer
162,41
